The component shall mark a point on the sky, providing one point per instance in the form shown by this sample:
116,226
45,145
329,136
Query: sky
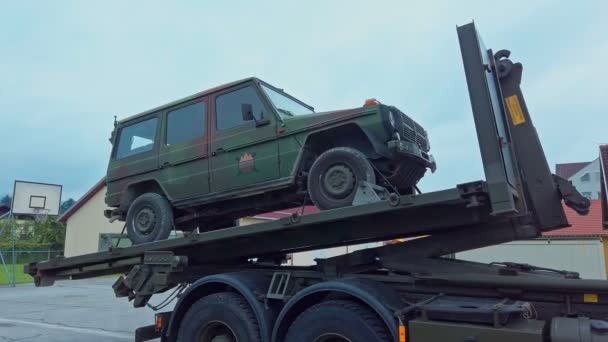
66,68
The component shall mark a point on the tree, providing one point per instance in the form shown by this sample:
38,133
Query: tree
6,200
67,204
35,235
49,232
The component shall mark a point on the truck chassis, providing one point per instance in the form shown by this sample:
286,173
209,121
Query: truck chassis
401,292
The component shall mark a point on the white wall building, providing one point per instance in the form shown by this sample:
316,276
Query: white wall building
584,176
87,230
587,180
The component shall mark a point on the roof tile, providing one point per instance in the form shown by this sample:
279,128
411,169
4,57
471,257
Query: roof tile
82,201
588,225
568,170
279,214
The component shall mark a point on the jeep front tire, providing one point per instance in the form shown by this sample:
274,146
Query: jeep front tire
335,175
149,218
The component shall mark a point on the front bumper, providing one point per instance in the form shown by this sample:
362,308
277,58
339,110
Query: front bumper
410,150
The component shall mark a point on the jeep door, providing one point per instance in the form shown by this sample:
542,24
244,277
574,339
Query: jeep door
244,150
134,155
183,153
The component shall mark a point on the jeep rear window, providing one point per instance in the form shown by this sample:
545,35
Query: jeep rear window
285,105
136,138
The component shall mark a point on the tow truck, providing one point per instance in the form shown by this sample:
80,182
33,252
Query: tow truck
231,284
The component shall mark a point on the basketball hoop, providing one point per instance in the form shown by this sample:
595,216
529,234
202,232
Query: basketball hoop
36,200
41,215
30,200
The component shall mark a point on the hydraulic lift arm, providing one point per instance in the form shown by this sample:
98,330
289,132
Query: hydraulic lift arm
511,150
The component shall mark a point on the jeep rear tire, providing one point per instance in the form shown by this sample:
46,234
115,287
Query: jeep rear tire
149,218
335,175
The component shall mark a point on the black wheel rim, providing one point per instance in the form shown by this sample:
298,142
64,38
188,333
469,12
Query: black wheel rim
338,181
145,220
331,337
216,331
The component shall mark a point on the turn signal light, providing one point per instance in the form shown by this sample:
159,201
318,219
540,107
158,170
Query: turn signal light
371,102
159,323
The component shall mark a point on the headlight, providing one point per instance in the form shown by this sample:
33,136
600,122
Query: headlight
391,118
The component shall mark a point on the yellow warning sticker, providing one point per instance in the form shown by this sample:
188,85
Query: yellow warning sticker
517,115
402,334
590,298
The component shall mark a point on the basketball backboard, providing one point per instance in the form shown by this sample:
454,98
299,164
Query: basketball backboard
33,199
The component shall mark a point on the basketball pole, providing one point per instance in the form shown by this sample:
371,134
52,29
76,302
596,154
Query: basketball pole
31,200
14,256
8,276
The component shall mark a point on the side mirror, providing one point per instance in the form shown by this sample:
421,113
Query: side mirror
262,122
247,112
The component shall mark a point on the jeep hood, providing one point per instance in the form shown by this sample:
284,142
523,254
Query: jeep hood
321,119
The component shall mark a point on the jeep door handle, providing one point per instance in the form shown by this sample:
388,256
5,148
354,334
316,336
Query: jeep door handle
218,151
165,164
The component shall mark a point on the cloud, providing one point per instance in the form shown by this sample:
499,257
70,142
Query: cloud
67,68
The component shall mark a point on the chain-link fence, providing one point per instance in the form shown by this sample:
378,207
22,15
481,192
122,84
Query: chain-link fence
23,257
28,256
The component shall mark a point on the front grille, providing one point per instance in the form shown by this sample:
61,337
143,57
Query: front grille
413,132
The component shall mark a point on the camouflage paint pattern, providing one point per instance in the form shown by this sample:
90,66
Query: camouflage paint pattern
238,161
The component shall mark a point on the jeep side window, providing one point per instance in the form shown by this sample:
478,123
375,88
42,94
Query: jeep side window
228,107
186,123
136,138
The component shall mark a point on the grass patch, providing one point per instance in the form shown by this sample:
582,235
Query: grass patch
22,278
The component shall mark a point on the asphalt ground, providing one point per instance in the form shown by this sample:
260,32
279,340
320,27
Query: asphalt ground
70,311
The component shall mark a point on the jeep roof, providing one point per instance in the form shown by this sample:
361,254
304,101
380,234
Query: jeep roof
211,91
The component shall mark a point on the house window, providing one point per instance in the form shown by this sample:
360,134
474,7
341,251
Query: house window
137,138
107,240
228,107
587,194
186,123
586,177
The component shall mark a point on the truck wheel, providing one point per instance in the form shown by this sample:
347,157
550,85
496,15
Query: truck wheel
149,218
219,317
338,321
335,175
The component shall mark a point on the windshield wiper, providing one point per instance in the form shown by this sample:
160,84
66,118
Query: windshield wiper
285,111
532,268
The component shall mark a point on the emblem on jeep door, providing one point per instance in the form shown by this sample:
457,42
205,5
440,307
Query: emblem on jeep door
246,163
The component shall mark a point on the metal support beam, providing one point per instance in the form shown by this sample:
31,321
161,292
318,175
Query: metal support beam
499,163
541,191
395,256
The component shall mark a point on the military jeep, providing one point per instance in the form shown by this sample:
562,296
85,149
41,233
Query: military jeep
246,148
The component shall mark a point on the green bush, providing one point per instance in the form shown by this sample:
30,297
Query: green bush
34,236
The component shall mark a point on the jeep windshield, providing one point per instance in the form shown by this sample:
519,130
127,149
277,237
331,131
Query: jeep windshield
286,106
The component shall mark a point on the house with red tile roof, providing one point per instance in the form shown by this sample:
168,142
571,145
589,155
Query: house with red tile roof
582,247
567,170
584,176
582,226
604,184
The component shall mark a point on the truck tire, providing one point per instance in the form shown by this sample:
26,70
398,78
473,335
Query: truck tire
339,321
334,176
149,218
223,316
